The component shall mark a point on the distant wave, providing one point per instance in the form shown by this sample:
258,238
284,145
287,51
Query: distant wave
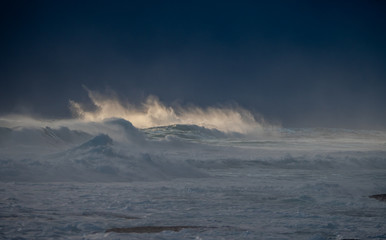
44,135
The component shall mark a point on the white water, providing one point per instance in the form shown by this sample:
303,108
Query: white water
75,180
152,113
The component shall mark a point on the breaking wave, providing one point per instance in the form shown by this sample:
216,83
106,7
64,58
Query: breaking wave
153,113
119,141
116,150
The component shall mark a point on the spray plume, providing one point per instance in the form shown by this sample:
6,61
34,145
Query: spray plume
152,112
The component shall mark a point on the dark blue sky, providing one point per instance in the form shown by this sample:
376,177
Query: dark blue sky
302,63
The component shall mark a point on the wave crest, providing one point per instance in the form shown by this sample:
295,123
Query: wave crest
153,113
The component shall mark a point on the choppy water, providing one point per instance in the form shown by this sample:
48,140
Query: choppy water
77,181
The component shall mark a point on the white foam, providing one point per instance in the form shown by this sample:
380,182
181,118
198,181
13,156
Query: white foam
115,150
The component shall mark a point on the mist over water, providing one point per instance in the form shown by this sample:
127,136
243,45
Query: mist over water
227,120
208,172
153,113
118,141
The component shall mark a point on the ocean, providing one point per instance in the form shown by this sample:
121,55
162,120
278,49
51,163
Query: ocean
111,180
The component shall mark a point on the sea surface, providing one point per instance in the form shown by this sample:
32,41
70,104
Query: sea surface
110,180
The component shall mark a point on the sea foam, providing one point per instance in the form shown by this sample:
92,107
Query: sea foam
115,150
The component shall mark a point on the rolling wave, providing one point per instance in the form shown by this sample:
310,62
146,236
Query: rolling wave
115,150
